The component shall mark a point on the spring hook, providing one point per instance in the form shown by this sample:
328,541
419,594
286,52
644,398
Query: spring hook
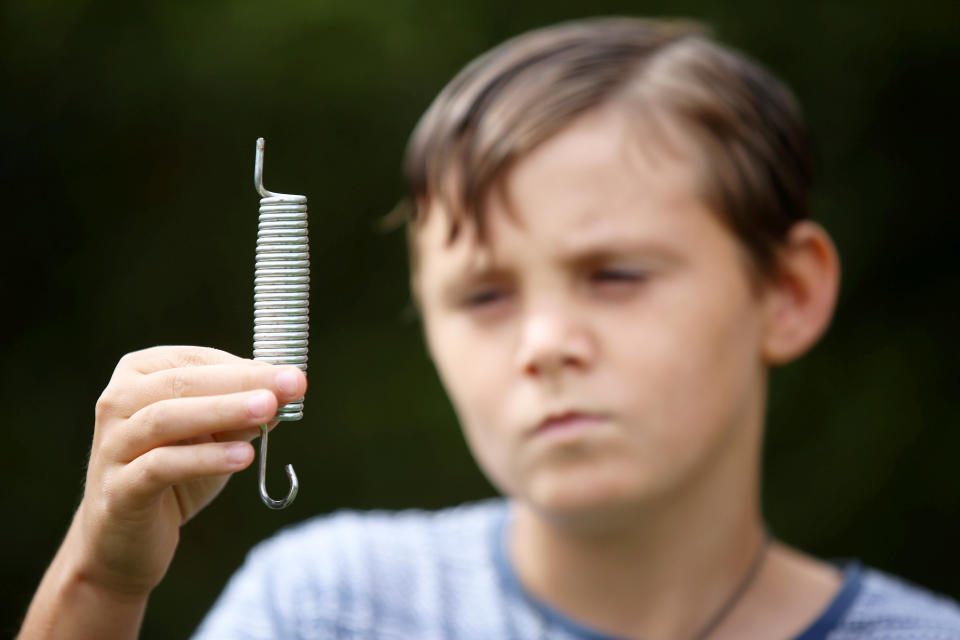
281,301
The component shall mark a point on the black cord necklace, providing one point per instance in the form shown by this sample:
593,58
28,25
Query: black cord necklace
727,607
734,599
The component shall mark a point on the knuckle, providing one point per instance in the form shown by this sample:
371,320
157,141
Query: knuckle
103,454
258,378
105,491
110,495
178,385
106,404
152,419
128,359
230,411
148,473
191,358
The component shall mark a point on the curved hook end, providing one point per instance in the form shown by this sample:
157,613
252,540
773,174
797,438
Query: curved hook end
291,476
258,170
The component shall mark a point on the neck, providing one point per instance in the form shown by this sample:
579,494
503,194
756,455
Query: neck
660,570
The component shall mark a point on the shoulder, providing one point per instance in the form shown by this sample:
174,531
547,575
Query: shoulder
891,608
351,572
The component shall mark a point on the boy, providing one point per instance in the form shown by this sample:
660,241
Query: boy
610,247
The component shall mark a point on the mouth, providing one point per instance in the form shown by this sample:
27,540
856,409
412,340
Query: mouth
568,423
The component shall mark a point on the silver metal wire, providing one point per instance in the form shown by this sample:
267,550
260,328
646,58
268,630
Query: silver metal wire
281,300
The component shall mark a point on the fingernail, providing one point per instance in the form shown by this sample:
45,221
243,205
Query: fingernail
288,381
237,453
259,404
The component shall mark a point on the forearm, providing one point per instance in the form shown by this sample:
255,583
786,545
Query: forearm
68,604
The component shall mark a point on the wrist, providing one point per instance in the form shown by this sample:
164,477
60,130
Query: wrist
90,562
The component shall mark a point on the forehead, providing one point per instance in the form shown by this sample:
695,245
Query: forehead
601,180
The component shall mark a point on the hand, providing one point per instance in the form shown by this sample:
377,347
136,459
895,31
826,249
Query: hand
171,426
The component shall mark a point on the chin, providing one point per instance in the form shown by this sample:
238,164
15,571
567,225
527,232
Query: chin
587,499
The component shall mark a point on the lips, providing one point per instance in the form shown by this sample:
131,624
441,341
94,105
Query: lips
568,421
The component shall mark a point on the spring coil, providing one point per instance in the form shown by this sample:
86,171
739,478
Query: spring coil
281,282
281,303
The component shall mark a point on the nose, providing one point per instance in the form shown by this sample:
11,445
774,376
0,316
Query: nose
553,340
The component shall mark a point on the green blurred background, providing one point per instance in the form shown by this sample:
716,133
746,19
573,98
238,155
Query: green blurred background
129,220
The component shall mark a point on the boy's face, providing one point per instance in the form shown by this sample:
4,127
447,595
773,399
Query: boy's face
603,347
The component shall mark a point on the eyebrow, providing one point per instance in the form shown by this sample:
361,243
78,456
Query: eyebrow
605,249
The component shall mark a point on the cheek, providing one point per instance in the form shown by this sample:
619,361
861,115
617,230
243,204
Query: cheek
475,371
471,367
693,368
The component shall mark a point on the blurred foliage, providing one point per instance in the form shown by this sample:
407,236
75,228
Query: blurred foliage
127,149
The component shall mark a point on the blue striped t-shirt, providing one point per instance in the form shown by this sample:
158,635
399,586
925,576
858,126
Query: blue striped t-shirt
420,575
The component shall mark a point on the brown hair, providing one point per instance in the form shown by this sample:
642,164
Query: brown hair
755,149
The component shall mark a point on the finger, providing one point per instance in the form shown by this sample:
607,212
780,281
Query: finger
132,394
243,435
148,475
170,421
172,357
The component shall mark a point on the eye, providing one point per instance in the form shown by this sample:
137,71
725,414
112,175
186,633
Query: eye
616,282
617,276
484,298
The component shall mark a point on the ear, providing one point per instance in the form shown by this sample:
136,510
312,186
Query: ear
799,302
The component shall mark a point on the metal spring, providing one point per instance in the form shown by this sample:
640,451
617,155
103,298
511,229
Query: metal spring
281,298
